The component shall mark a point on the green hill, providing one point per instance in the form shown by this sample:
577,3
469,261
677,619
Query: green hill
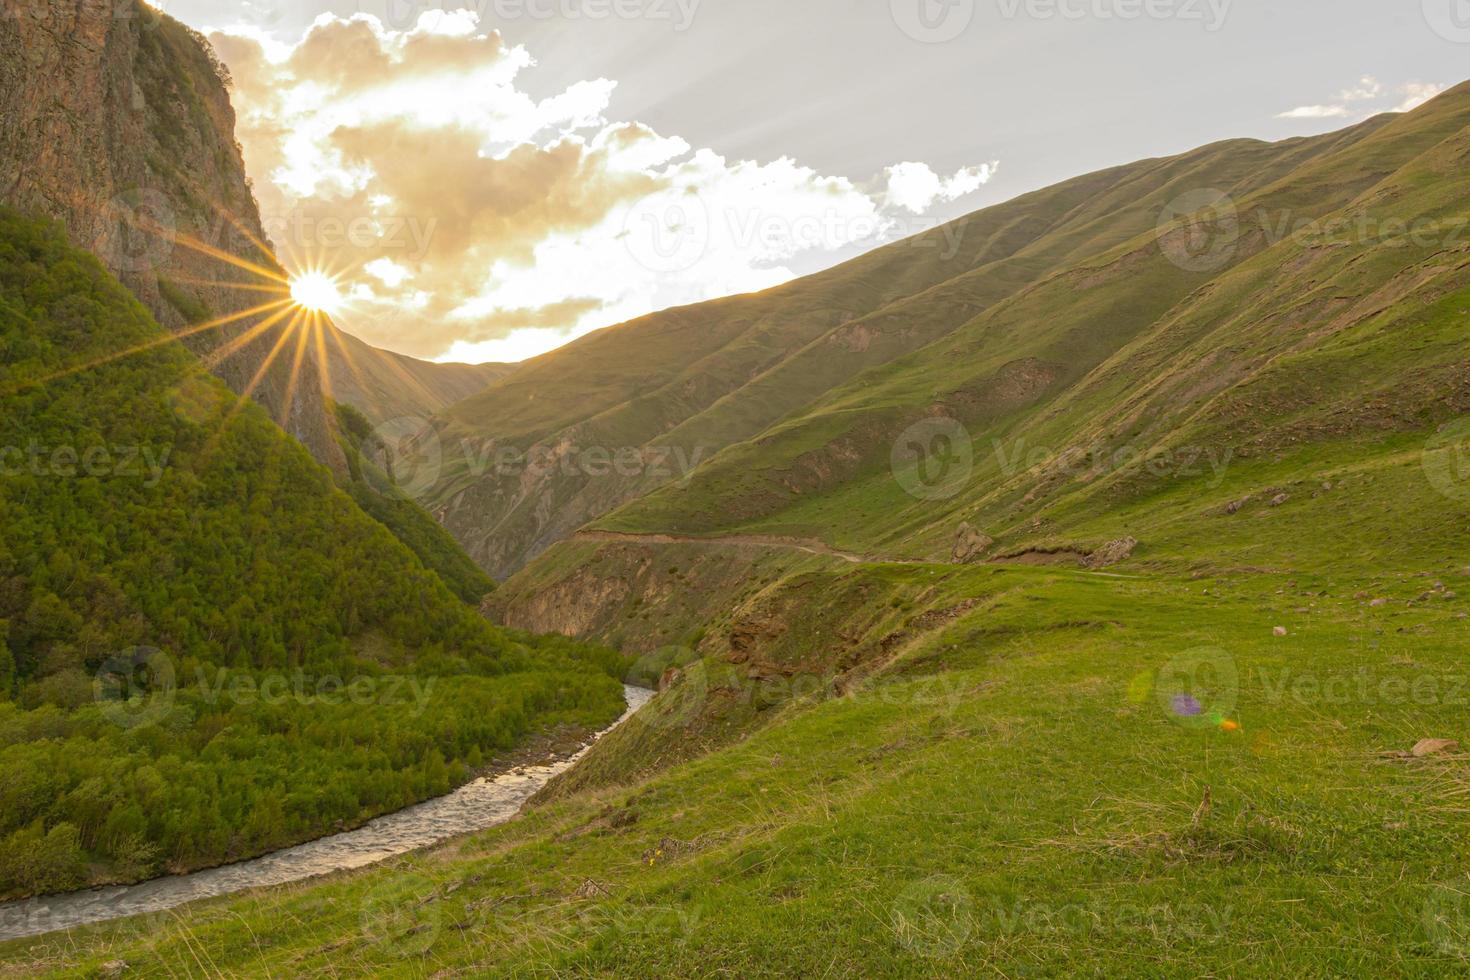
1089,602
167,547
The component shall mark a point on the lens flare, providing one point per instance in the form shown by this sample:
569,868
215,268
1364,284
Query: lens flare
317,292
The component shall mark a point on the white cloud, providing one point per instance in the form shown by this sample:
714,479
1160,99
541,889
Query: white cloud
1314,112
916,188
1416,94
1368,89
484,224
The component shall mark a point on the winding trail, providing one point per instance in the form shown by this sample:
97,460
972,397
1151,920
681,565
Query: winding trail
776,542
810,546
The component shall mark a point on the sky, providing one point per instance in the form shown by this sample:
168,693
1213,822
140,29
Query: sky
489,179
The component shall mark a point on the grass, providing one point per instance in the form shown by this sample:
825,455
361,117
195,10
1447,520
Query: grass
1011,798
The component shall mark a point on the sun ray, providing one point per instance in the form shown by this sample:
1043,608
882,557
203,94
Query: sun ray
301,331
255,287
324,366
157,342
226,351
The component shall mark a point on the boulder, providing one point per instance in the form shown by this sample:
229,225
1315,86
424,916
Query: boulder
970,544
1111,553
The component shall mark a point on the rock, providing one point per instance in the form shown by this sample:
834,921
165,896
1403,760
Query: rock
970,544
1327,487
1235,506
1280,499
1279,631
1376,603
112,968
1360,595
1434,746
1111,553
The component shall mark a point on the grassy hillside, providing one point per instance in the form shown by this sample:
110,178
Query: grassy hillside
694,381
170,557
1120,378
1078,774
1197,709
383,385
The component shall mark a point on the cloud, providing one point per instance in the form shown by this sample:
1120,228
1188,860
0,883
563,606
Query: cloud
469,220
1368,89
1416,94
916,188
1314,112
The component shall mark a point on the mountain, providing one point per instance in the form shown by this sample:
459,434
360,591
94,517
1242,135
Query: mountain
1089,602
383,385
169,555
680,386
1110,406
115,119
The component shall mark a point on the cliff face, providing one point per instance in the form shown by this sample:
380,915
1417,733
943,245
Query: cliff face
116,121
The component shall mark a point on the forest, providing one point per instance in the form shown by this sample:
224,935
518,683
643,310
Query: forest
207,649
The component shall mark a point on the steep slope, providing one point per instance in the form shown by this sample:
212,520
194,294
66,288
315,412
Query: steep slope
115,119
383,385
186,600
677,387
1076,388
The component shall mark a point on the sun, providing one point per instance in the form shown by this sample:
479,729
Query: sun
316,291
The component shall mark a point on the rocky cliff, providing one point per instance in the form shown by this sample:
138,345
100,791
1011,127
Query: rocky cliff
116,121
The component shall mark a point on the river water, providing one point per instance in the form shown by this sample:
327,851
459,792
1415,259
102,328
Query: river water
476,806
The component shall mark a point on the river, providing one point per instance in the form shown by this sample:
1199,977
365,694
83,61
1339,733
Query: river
475,806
